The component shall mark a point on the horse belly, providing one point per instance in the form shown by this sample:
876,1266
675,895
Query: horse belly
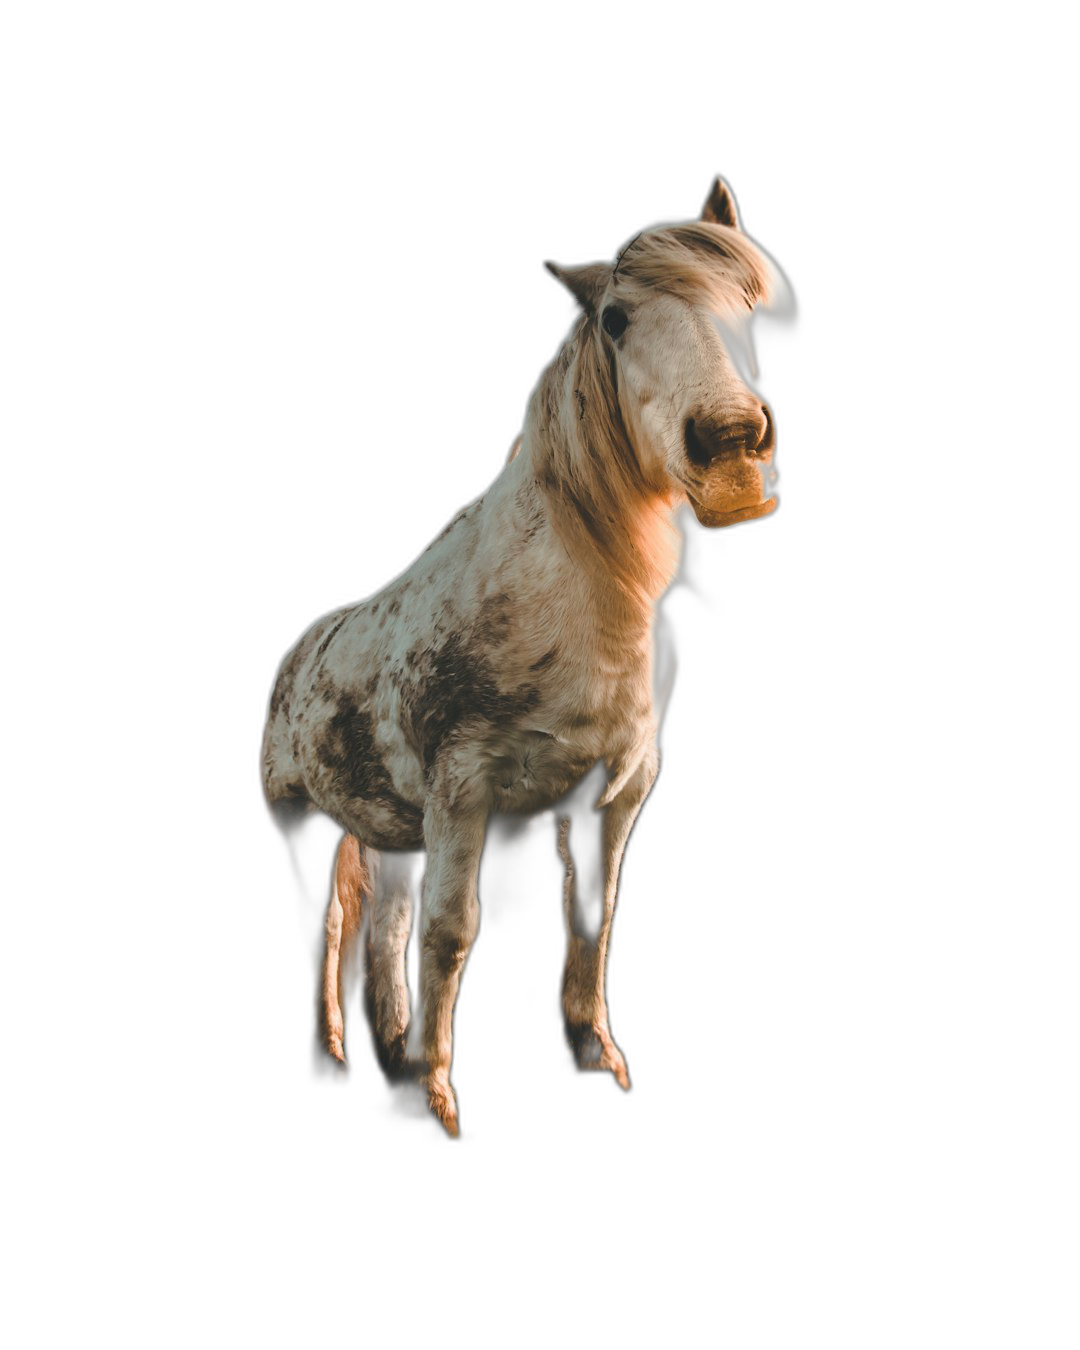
377,823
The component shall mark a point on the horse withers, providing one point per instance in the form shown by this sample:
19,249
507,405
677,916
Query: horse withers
516,653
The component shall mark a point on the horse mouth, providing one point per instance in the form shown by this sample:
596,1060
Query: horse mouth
714,518
730,491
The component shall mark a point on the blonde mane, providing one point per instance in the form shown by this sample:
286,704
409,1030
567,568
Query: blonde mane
583,455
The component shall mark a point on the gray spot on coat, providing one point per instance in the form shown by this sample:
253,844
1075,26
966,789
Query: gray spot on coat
347,750
456,687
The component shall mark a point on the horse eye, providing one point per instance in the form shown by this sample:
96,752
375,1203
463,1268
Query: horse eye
614,321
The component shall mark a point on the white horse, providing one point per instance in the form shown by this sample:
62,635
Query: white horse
516,652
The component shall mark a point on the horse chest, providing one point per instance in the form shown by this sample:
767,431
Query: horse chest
528,769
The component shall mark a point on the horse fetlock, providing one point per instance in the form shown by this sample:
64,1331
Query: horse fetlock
594,1049
392,1054
333,1023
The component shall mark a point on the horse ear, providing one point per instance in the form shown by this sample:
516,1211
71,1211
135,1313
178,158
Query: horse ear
719,208
586,284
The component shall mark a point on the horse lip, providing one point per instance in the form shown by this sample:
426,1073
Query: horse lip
733,510
715,519
767,473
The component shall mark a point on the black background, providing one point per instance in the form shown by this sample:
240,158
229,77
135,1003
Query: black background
381,317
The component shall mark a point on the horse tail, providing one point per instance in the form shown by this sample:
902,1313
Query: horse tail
353,882
355,871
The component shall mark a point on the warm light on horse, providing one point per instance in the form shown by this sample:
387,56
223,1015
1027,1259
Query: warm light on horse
516,653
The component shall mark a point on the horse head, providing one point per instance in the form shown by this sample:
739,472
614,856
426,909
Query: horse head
695,425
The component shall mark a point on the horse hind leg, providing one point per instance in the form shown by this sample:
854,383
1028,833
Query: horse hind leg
334,876
343,961
387,987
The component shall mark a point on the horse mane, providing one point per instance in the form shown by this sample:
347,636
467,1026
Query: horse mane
583,455
585,462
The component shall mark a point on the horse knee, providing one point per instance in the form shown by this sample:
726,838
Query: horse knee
448,937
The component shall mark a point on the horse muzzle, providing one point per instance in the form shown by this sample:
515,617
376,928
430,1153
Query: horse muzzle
727,484
752,436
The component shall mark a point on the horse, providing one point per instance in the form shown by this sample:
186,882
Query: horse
515,655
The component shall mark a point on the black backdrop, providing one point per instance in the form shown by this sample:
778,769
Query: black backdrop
384,316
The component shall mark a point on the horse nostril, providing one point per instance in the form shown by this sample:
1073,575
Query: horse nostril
697,450
768,435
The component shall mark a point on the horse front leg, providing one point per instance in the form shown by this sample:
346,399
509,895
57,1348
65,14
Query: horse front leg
589,894
450,918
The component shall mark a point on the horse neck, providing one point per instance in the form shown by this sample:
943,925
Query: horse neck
622,538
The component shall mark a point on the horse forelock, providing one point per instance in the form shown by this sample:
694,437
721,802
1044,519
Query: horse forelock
716,266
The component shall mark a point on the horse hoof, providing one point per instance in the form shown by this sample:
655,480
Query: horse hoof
617,1066
428,1098
424,1119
